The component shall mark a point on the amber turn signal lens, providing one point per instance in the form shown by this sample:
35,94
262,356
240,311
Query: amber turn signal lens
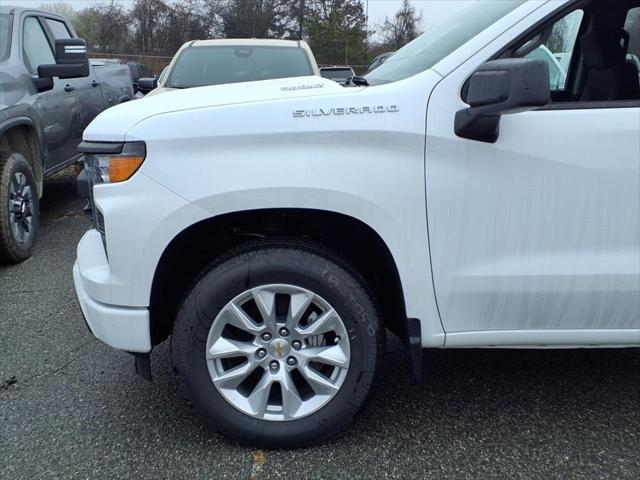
121,168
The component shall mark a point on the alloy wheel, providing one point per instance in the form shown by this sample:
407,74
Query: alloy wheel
278,352
20,208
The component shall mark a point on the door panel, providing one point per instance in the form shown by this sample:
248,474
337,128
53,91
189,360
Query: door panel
540,230
86,89
56,108
57,111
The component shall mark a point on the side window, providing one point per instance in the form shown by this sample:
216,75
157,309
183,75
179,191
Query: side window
37,50
556,48
632,26
59,29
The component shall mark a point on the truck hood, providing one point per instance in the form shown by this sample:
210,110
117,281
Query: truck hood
113,124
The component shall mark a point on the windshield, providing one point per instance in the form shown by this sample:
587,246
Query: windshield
460,26
5,36
214,65
337,73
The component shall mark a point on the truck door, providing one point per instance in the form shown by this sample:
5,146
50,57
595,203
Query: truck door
55,107
87,89
539,232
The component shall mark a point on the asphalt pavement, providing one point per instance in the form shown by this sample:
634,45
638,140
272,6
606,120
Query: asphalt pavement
71,407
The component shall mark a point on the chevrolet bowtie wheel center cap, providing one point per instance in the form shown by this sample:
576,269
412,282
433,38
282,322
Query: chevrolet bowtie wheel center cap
279,349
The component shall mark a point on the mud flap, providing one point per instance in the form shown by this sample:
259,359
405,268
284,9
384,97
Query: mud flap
414,331
143,365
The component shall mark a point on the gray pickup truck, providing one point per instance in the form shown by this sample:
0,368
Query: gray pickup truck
49,93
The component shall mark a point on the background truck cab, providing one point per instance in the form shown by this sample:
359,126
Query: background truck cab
42,114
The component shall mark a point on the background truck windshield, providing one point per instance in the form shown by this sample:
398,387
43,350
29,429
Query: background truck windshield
436,43
5,36
214,65
337,73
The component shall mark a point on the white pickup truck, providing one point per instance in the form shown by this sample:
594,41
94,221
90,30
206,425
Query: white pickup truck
275,230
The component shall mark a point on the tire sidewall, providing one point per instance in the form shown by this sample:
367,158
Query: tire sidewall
283,266
10,164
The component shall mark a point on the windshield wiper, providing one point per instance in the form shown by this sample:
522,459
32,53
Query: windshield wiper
357,82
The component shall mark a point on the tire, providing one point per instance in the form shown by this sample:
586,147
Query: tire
263,268
19,208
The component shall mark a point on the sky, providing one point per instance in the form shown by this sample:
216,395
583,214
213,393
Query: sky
432,10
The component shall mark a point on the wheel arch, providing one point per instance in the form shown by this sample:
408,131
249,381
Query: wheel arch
20,135
195,247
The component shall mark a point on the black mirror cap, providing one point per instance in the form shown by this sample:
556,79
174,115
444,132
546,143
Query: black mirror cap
71,60
71,51
502,87
509,86
145,85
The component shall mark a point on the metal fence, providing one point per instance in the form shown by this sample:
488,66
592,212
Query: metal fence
155,64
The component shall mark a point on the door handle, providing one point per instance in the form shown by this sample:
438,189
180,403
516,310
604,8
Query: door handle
95,83
69,88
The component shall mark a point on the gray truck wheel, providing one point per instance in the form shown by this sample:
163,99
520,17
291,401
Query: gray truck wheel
277,345
19,208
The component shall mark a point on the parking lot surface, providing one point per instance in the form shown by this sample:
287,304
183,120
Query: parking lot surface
70,407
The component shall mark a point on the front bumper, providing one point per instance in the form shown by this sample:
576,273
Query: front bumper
125,328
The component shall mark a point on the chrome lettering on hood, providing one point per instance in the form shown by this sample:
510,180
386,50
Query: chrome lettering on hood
341,111
301,87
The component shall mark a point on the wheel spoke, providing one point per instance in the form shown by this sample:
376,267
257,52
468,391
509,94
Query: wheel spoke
227,348
232,378
15,228
26,192
260,395
326,322
318,382
291,401
237,317
298,305
266,301
331,355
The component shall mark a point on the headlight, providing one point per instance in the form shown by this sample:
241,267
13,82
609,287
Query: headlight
106,162
117,167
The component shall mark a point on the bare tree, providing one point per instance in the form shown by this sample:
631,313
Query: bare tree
64,9
190,20
105,27
403,28
149,21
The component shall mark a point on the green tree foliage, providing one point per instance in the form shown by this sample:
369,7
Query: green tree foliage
254,18
336,31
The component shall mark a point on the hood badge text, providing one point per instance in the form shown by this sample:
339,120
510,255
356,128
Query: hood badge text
341,111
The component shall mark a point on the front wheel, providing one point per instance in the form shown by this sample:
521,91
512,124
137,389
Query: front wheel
277,345
18,208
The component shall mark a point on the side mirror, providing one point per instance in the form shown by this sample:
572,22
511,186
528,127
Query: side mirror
501,87
145,85
71,60
42,84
